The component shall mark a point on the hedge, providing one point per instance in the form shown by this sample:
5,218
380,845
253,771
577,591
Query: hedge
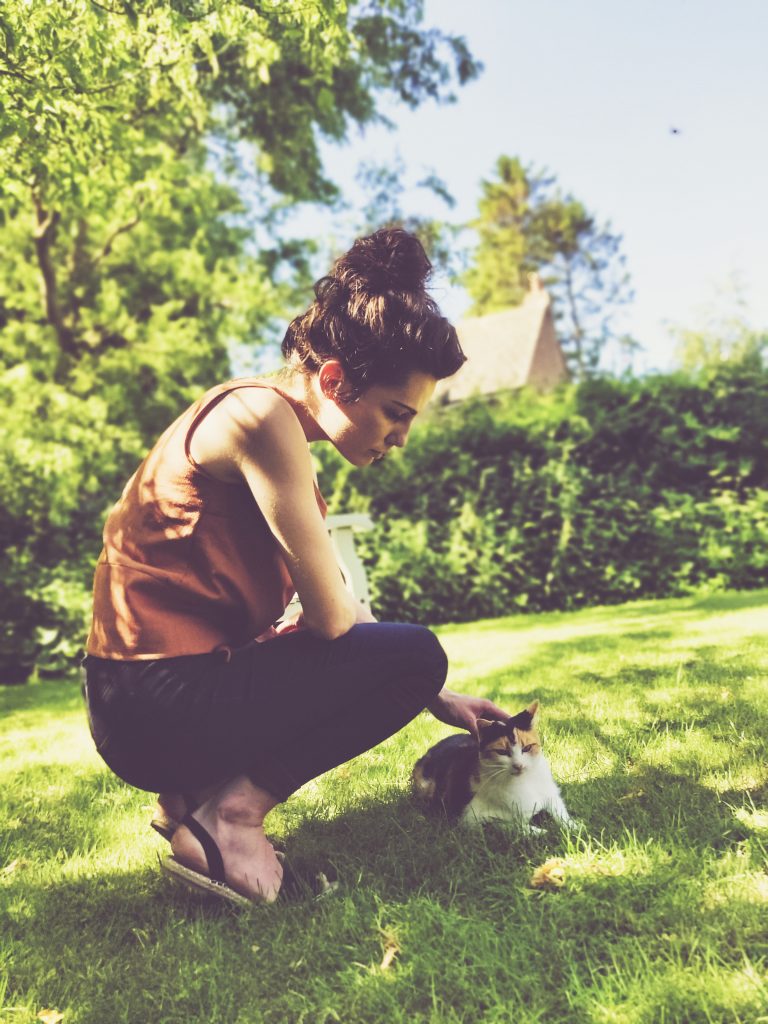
612,490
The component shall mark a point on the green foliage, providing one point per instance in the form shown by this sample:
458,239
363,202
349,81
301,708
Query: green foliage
723,336
62,465
526,225
496,279
86,84
129,256
604,492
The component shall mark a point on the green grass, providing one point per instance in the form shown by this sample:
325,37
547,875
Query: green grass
654,717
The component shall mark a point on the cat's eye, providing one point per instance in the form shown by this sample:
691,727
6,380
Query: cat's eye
528,747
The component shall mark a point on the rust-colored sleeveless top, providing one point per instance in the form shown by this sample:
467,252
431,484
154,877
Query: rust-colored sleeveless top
189,564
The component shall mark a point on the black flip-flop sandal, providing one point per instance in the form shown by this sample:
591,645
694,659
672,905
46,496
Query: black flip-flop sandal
167,826
212,883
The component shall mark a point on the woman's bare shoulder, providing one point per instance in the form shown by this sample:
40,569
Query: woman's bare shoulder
252,407
246,420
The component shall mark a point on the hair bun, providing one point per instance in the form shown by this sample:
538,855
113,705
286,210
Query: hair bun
373,314
389,260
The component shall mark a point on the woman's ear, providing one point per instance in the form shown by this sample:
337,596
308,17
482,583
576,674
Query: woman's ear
331,379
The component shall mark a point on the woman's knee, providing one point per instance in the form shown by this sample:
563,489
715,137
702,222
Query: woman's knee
426,660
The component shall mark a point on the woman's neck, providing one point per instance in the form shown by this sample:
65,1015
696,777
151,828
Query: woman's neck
300,390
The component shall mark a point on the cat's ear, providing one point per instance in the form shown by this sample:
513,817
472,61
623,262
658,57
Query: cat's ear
488,731
533,710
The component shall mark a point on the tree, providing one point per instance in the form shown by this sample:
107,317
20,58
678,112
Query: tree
723,335
114,210
525,224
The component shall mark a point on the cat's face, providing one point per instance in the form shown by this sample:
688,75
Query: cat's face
512,745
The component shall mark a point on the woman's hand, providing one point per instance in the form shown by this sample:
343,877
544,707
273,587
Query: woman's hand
287,625
295,622
463,711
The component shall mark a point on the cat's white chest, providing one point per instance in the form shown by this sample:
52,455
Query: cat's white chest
515,799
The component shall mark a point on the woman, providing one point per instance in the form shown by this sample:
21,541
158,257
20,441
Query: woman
212,535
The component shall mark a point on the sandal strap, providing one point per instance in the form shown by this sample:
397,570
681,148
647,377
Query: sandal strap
210,849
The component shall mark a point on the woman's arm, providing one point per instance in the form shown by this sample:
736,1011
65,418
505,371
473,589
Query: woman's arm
255,434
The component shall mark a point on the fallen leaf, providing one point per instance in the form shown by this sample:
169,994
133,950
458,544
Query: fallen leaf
633,795
550,875
325,888
50,1016
391,949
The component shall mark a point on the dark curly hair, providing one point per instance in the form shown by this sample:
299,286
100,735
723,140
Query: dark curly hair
372,313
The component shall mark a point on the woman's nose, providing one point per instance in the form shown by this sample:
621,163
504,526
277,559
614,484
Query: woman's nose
398,438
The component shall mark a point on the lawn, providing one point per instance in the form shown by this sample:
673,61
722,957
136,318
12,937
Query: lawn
655,720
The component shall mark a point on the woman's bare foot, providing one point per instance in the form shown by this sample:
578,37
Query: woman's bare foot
234,817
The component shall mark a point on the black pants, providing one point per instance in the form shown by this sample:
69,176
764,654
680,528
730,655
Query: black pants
281,712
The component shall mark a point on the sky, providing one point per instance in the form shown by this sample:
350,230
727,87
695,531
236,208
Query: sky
590,90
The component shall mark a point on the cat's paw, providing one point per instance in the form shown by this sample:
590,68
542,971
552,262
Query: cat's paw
534,830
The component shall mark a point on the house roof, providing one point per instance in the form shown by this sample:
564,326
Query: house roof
508,349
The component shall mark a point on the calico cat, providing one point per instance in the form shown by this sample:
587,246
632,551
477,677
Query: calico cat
504,777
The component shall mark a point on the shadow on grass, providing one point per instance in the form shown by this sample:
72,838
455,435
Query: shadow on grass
390,845
629,660
652,805
705,666
464,894
48,805
61,697
393,842
731,601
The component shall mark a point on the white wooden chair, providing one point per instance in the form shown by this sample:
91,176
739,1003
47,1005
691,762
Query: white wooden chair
342,529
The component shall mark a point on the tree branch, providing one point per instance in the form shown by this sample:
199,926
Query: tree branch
16,74
107,247
578,331
109,10
44,233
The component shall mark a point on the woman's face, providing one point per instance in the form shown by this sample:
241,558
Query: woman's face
364,430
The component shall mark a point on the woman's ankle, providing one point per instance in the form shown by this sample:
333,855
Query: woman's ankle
171,806
239,802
